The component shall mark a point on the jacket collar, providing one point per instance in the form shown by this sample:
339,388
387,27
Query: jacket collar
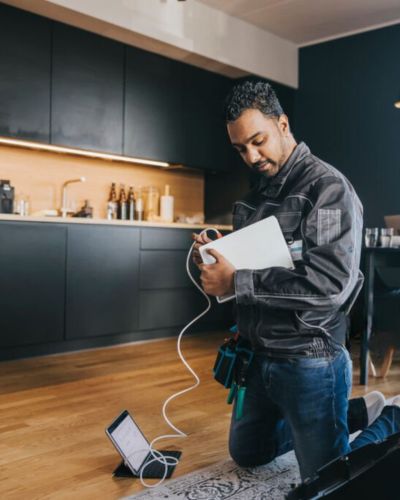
273,186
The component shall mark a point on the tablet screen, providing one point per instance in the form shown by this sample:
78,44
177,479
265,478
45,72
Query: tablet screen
130,441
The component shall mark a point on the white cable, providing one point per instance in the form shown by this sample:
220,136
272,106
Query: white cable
157,456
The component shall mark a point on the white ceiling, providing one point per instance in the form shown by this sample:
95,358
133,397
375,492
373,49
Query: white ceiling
307,21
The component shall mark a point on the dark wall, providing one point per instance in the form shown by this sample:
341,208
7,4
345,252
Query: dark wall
344,111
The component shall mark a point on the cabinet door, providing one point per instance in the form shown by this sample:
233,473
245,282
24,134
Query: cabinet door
102,280
168,308
163,258
153,107
177,307
166,239
168,298
25,48
32,293
163,269
206,139
87,90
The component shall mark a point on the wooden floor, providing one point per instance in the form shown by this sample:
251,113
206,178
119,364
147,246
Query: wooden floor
53,411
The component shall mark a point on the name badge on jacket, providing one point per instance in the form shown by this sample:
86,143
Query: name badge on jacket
296,250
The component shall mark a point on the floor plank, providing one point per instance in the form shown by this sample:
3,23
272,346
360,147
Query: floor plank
54,409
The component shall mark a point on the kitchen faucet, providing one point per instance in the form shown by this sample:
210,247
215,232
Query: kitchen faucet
64,208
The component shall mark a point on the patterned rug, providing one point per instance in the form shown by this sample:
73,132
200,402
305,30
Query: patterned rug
225,480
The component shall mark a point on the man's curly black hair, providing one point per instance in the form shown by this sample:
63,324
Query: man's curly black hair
251,95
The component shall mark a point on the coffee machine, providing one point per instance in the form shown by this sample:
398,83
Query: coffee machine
6,197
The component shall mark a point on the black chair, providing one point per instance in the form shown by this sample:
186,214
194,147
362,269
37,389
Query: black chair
386,321
381,307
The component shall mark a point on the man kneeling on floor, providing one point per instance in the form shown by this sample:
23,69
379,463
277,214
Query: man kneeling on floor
294,320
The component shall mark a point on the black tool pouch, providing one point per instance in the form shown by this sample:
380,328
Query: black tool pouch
225,363
230,359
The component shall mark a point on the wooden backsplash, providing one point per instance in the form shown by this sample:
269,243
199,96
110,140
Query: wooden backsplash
40,175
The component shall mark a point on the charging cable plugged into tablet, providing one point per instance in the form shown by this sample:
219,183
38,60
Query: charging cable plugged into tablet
167,460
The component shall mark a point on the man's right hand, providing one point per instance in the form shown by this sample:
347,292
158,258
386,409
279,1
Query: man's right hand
200,239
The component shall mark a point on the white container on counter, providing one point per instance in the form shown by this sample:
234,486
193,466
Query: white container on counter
167,206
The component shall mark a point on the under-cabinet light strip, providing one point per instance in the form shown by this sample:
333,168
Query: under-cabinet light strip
81,152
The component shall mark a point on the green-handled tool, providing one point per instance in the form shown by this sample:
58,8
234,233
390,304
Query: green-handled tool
232,393
239,402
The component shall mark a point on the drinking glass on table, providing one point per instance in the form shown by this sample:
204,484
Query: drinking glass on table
21,204
371,236
386,236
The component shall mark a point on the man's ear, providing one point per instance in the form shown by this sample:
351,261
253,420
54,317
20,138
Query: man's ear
283,123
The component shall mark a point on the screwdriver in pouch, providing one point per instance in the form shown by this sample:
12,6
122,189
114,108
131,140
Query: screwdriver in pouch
239,392
232,393
240,402
238,389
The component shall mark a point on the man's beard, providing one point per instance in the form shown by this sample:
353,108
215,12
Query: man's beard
272,170
274,166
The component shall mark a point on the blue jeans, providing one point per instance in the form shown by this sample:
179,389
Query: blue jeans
302,404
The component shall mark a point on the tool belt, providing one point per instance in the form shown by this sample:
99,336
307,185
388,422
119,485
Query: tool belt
230,370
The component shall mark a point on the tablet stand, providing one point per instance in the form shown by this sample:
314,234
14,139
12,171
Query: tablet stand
153,471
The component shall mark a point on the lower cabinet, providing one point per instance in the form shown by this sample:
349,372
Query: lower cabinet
176,308
168,298
168,308
163,269
102,280
69,286
32,263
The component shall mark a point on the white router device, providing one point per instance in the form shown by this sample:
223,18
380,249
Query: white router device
258,246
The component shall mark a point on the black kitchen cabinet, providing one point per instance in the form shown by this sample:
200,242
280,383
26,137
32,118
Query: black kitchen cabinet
32,294
87,90
163,258
206,141
168,298
25,61
102,280
176,307
70,286
168,308
154,127
163,269
66,86
166,239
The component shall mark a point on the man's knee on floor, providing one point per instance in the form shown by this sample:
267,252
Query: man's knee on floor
244,456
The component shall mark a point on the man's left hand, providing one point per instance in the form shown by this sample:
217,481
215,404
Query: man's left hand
218,279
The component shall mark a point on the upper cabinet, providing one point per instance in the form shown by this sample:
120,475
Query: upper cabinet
206,139
87,90
25,46
66,86
174,112
153,107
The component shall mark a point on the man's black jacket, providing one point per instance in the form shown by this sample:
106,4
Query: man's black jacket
301,312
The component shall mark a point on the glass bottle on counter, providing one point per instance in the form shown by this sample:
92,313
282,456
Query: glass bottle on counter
152,203
139,208
112,205
131,204
122,204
